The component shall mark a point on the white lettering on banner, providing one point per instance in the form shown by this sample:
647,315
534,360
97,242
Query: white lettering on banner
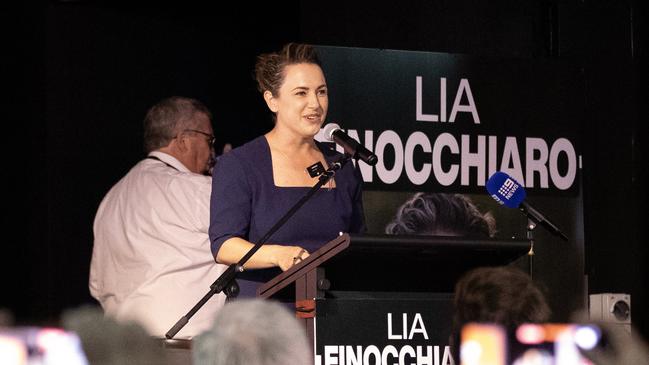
532,146
511,157
476,160
389,355
493,155
562,145
447,358
329,353
389,138
463,89
354,358
457,107
416,139
428,358
406,350
371,351
392,336
442,102
417,327
477,155
445,140
388,351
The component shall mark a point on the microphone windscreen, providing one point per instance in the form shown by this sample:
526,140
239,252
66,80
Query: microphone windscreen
505,190
329,130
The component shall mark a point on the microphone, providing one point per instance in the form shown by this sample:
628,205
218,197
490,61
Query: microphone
508,192
333,133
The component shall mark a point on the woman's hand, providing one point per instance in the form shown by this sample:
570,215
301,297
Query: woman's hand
269,255
288,256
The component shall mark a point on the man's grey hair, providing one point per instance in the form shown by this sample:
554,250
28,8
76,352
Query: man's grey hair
168,118
253,332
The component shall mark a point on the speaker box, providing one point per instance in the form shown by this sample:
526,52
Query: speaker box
612,308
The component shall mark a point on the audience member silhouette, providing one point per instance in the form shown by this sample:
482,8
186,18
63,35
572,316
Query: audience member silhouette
503,295
253,332
108,342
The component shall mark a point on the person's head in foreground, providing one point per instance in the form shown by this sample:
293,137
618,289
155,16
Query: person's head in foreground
253,332
503,295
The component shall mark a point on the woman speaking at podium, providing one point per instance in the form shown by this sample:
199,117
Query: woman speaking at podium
256,184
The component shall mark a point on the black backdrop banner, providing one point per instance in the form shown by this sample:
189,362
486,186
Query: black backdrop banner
447,122
443,123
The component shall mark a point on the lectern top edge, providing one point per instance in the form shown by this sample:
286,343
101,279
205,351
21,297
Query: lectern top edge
460,252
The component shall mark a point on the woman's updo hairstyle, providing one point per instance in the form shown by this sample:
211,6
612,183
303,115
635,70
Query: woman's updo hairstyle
269,69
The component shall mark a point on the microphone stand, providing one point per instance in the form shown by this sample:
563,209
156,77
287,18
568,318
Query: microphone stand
226,282
530,236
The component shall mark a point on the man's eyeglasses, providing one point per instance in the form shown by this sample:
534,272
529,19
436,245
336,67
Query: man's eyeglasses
210,137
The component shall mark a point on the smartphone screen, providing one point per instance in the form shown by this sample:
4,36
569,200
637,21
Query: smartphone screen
483,344
42,346
529,344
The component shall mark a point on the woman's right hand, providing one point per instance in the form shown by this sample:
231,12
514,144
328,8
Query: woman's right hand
288,256
270,255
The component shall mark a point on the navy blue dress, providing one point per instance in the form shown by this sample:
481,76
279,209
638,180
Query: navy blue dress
246,203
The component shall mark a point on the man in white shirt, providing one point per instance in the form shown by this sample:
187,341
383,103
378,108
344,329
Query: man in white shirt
151,259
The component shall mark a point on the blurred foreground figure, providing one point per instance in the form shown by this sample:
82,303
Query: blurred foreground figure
616,346
253,332
502,295
108,342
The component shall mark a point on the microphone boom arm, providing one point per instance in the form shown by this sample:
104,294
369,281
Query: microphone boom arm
538,218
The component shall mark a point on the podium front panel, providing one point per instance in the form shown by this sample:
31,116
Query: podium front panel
375,327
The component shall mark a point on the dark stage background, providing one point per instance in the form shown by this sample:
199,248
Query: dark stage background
89,70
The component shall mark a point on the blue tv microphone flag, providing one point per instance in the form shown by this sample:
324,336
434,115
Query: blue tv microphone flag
505,190
510,193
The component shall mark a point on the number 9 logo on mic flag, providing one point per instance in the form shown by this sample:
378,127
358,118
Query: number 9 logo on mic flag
505,190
